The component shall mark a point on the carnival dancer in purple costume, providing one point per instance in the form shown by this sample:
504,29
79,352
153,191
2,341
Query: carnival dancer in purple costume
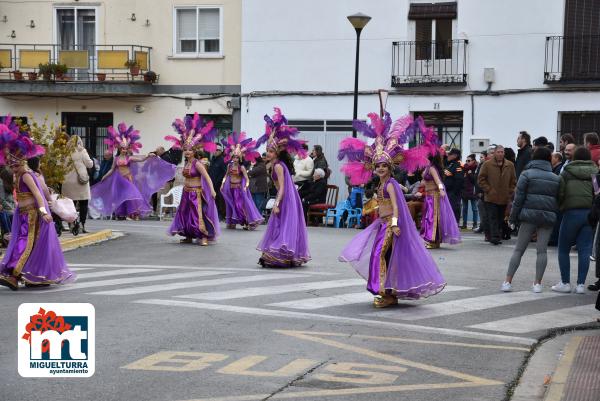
389,253
34,255
197,215
285,243
128,186
438,223
240,208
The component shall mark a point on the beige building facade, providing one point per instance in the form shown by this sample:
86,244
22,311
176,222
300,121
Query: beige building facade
188,53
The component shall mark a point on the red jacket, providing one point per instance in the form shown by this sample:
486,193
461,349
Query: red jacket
595,151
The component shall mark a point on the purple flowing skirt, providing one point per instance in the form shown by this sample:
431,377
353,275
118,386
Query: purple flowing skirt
285,243
34,252
438,223
116,194
398,265
240,207
192,221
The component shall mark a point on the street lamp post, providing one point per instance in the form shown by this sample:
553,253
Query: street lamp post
358,21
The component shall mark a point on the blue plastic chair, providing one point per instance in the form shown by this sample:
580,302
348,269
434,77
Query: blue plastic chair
336,214
356,197
354,215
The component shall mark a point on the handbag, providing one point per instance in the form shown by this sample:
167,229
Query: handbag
81,180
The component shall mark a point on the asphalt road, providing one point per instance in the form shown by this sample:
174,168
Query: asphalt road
182,322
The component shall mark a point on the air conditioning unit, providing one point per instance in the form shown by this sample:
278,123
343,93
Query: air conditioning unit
478,145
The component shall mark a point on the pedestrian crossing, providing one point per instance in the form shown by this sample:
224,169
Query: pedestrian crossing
299,294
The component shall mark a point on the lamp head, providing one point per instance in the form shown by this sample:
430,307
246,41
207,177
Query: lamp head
359,20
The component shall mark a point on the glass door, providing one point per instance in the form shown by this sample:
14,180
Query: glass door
76,30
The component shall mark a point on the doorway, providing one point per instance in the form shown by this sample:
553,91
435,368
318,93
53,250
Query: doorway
91,127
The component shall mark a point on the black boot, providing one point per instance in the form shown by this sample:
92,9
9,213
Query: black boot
595,286
83,230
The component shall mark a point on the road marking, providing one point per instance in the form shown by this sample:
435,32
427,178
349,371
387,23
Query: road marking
559,379
330,318
76,269
176,361
317,302
242,367
420,311
192,284
272,290
299,270
111,273
541,321
134,280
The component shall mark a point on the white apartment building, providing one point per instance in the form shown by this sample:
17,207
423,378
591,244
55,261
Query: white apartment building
475,69
193,46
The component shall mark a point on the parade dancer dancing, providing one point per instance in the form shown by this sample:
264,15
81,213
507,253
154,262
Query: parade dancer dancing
389,253
240,208
127,188
438,222
34,255
285,243
197,215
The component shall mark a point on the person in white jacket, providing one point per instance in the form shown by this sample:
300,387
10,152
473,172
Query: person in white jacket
304,167
76,185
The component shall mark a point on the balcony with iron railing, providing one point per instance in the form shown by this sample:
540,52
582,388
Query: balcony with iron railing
572,60
49,68
429,63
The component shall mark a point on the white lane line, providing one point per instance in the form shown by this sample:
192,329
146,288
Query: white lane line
420,311
192,284
132,280
340,319
342,299
111,273
542,321
76,269
272,290
253,269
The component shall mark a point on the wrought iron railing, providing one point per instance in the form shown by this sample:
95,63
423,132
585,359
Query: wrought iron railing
571,59
429,63
84,63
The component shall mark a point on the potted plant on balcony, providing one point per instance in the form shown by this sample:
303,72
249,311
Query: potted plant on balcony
18,75
101,76
134,67
33,76
150,76
60,70
46,70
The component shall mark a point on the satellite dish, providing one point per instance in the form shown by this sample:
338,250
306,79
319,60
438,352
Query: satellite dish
138,108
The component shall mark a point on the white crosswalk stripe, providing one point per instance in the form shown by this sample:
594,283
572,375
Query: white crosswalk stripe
342,299
540,321
272,290
191,284
112,273
426,311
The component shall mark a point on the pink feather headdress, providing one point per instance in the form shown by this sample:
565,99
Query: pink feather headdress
388,146
278,135
123,137
16,143
193,134
239,146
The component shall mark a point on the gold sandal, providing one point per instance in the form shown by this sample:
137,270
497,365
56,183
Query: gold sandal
9,282
203,242
385,301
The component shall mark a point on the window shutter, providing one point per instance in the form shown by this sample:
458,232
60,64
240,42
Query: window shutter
432,10
186,24
208,24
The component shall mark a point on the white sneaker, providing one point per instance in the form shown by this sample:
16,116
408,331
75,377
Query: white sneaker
506,286
580,289
562,287
537,288
592,258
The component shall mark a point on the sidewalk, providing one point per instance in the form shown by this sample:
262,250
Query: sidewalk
564,368
69,242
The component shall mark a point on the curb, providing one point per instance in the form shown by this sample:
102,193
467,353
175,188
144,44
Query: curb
85,240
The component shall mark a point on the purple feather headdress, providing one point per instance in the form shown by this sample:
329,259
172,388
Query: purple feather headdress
388,146
16,143
193,133
278,135
123,137
239,146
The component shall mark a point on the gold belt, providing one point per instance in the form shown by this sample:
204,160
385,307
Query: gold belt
191,189
235,185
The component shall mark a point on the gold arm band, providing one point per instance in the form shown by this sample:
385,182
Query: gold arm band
43,211
394,222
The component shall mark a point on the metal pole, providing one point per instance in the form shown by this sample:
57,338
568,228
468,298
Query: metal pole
355,114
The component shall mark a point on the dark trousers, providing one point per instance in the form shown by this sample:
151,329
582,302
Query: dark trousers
495,216
483,219
455,203
82,206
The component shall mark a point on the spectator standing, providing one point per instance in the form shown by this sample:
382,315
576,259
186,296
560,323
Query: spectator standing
576,195
568,158
497,180
524,152
318,193
105,165
557,162
414,199
468,192
540,142
320,161
592,142
304,166
454,181
76,184
594,219
534,209
483,221
217,171
173,156
7,201
258,183
565,139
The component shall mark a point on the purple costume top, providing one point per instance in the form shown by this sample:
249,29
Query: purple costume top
240,208
394,265
34,254
438,223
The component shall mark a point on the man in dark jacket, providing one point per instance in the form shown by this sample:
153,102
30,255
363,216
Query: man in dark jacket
524,152
479,194
453,181
557,162
320,161
468,192
217,171
258,182
318,191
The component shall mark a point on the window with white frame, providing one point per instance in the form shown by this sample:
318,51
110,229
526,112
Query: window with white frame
198,30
